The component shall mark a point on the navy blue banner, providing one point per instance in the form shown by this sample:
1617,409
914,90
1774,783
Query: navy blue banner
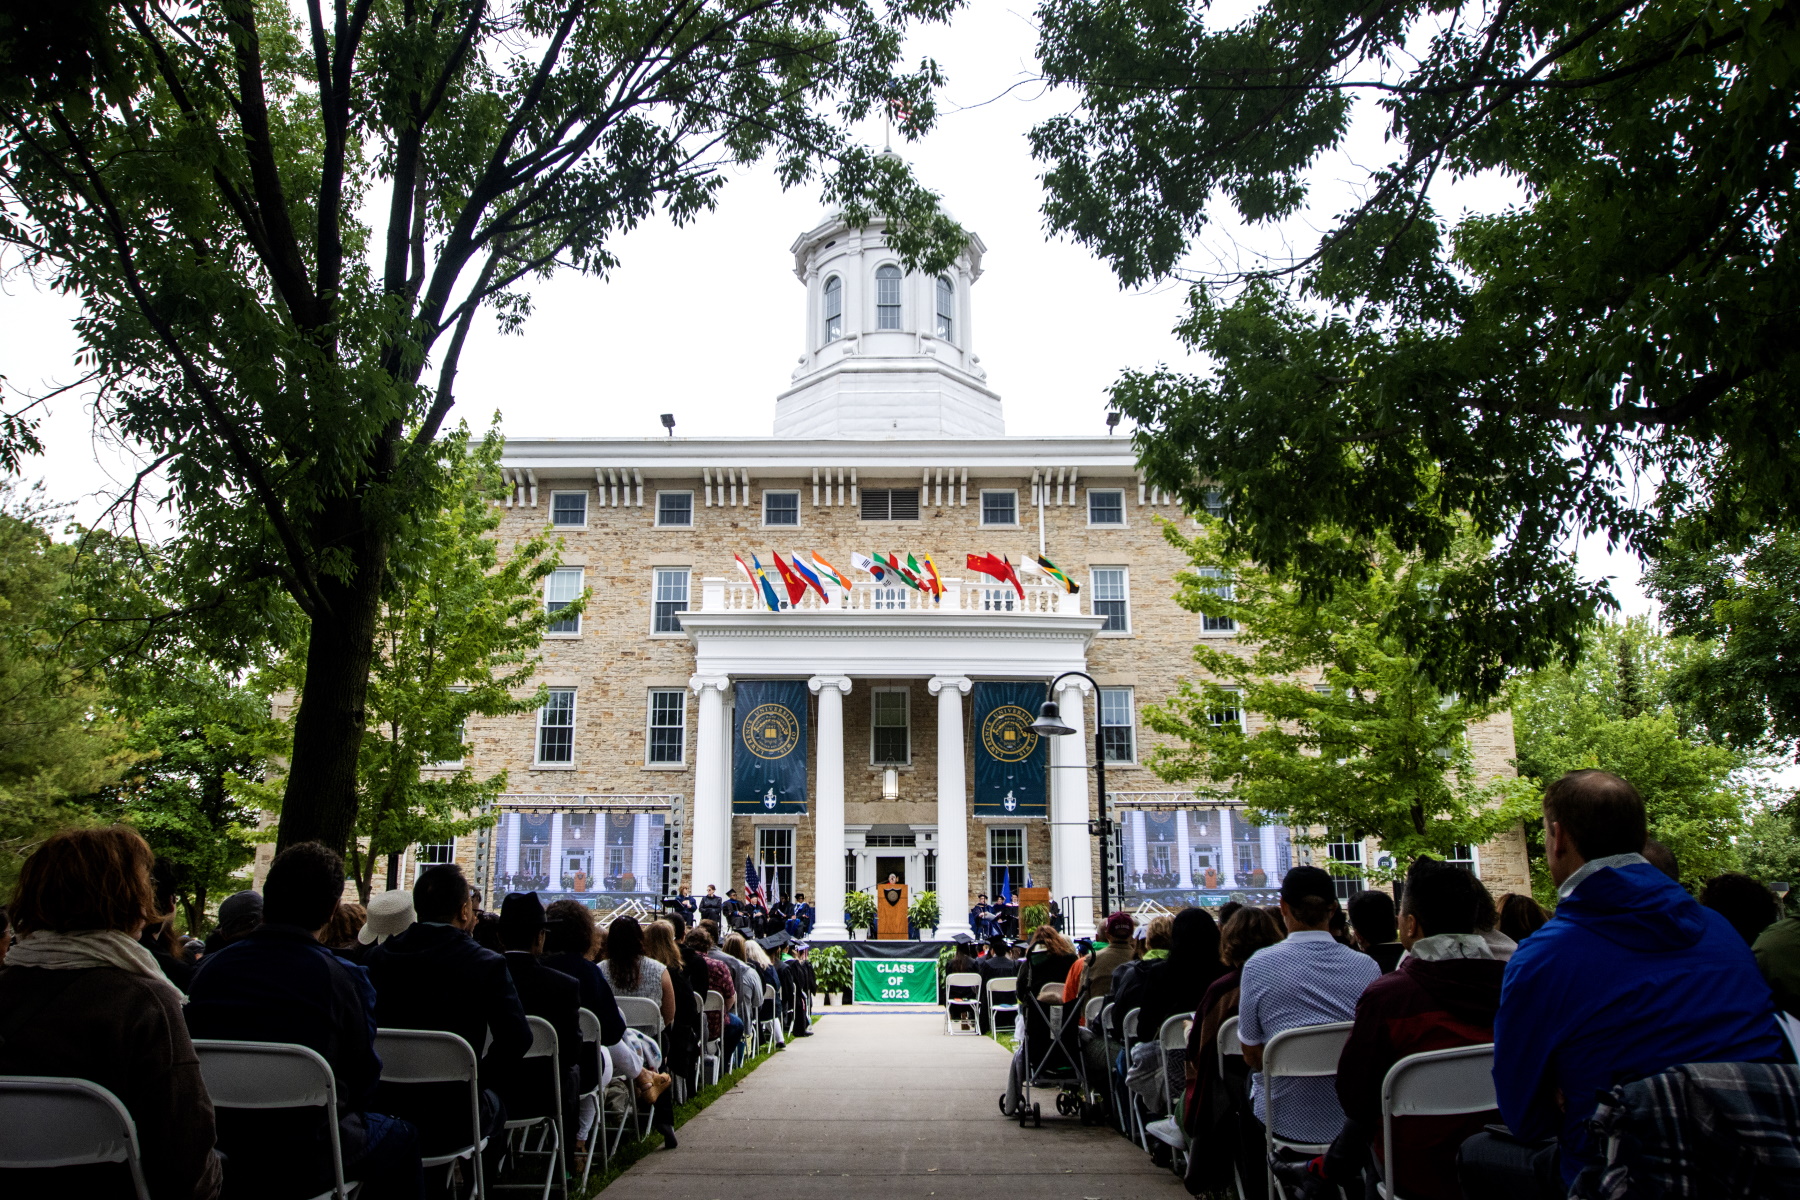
768,747
1011,776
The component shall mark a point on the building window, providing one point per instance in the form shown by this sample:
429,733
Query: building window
556,727
890,504
931,870
668,726
775,861
568,508
1006,860
946,309
435,854
999,508
834,309
562,589
1117,732
1224,590
1231,714
1346,852
781,508
671,598
1106,506
675,509
891,744
887,297
1214,503
1464,856
1110,600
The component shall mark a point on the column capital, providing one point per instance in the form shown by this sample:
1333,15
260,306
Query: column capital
1075,683
961,683
819,683
699,683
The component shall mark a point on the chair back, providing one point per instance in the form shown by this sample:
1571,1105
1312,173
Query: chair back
714,1003
543,1038
590,1044
53,1122
424,1056
1305,1052
640,1012
1228,1042
1003,984
1093,1009
1174,1032
1437,1083
273,1075
1129,1027
968,981
590,1025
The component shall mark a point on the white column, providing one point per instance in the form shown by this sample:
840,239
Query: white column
1227,850
640,852
952,807
512,845
557,866
1140,847
1271,859
828,811
1184,854
712,788
1071,847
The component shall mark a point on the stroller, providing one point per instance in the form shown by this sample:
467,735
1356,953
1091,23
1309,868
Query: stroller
1053,1059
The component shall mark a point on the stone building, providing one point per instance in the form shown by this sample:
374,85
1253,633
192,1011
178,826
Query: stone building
887,439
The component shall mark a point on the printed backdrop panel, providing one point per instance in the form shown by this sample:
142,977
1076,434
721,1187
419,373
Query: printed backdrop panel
768,746
1010,760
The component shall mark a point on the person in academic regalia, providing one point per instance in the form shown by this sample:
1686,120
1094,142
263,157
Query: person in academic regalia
803,916
711,907
979,916
733,910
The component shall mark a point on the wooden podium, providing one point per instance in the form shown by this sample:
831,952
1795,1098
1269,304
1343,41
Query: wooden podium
891,903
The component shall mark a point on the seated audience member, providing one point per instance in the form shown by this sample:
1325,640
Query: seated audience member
340,934
729,1025
1778,957
1746,904
1048,959
1307,979
239,913
632,972
388,913
1443,995
1631,978
746,983
1662,858
1375,929
1487,924
1520,916
1158,936
279,983
1211,1110
1227,910
1095,978
545,993
81,998
434,976
159,934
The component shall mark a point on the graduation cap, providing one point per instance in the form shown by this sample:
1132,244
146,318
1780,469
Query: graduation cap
775,941
962,938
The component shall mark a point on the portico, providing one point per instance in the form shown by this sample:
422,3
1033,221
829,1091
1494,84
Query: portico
973,633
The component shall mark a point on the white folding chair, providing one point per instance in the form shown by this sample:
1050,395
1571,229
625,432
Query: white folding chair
1306,1052
1172,1037
274,1075
712,1049
1231,1047
1128,1032
432,1056
768,1020
962,991
642,1013
1002,997
48,1122
590,1044
1109,1052
549,1126
1437,1083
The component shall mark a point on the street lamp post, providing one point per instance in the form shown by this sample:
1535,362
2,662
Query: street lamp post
1050,724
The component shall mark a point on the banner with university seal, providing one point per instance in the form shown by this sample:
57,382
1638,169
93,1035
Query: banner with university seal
1011,775
768,746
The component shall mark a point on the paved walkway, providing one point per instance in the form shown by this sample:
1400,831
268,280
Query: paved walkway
883,1104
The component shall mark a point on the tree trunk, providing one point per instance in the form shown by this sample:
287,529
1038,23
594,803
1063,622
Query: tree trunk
320,801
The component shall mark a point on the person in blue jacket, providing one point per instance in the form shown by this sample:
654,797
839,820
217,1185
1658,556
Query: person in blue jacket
1630,978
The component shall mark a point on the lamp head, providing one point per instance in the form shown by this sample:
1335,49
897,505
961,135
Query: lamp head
1049,722
1112,421
668,420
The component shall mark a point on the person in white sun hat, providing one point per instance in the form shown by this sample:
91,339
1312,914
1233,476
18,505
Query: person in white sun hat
389,913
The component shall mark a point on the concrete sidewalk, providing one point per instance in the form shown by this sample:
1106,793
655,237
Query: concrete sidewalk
886,1105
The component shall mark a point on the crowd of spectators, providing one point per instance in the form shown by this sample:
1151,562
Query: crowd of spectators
1631,977
97,987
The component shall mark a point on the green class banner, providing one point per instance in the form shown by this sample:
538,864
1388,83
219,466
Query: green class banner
895,980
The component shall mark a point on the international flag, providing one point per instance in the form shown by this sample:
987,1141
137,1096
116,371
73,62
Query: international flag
863,562
1006,887
826,569
931,573
998,567
805,572
1012,576
768,589
892,563
752,881
1053,572
796,586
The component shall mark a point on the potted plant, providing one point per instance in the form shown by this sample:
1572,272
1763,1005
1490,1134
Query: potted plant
923,912
859,912
568,883
1031,916
831,966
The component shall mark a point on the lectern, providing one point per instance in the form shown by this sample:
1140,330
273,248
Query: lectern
890,912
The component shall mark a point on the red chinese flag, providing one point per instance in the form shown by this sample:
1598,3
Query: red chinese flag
796,586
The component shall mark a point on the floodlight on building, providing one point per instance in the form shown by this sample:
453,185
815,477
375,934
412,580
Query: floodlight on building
668,420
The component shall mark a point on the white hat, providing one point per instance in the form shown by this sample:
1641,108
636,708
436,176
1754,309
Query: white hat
389,913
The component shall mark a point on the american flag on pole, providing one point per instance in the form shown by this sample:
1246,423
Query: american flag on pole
752,881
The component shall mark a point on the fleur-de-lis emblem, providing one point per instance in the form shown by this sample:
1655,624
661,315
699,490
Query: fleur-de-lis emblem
1011,802
769,799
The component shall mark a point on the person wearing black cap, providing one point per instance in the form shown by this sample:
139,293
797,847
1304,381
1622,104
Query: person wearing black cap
548,994
1375,928
238,915
1307,979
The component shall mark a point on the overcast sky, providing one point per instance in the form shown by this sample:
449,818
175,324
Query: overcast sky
706,322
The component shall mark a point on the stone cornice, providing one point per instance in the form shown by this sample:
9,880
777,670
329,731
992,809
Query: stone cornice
798,457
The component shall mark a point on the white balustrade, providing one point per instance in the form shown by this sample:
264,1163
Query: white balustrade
967,596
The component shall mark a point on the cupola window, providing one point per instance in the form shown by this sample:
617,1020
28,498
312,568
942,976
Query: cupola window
887,298
946,310
834,309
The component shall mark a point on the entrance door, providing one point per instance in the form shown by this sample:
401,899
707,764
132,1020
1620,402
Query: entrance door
886,864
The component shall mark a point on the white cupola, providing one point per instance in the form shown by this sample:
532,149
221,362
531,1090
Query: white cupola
889,352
